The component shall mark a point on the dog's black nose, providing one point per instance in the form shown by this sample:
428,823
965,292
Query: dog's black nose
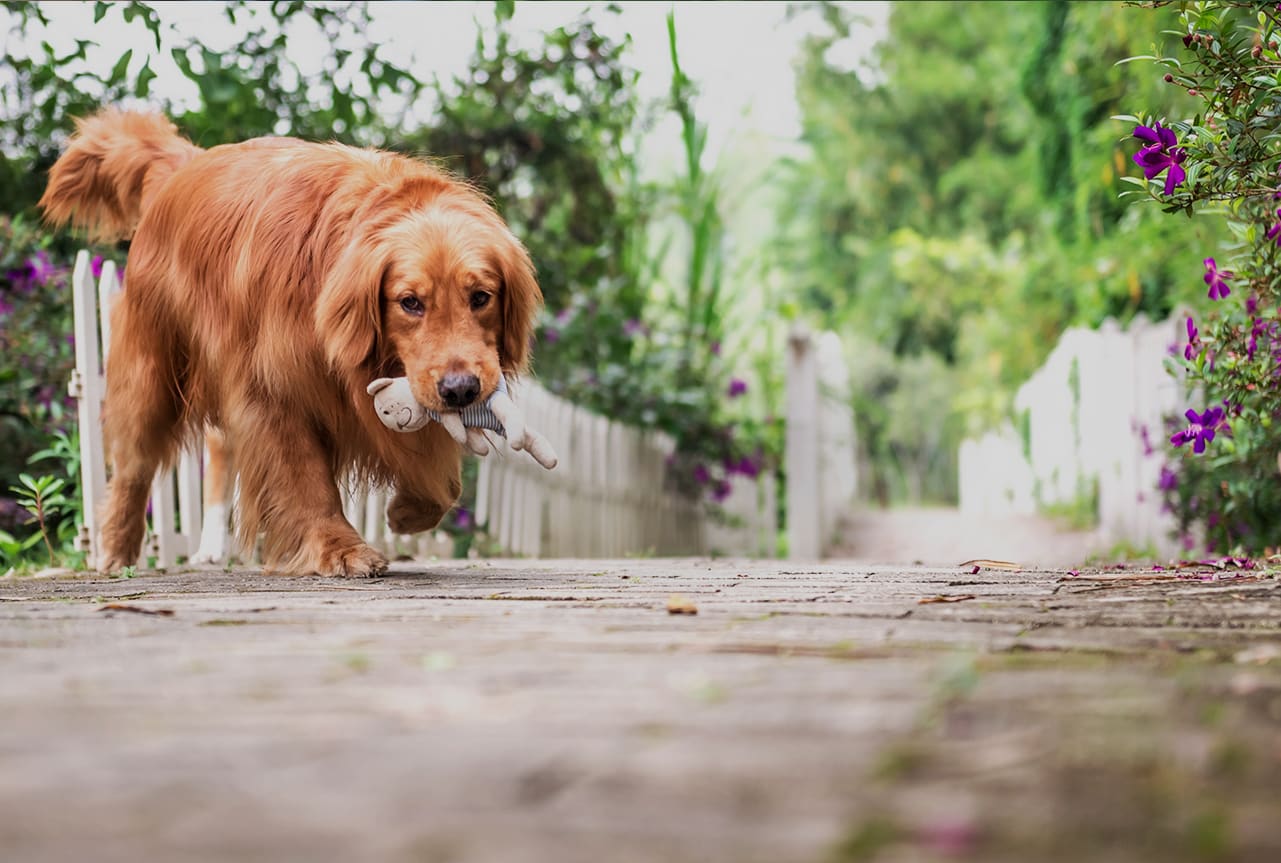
458,390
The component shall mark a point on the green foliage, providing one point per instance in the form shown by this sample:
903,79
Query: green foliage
43,498
1227,54
959,201
13,550
547,132
255,90
37,419
36,348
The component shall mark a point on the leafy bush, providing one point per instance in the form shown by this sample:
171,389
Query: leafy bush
36,351
1225,161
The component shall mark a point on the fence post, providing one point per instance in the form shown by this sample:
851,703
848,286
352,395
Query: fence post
86,388
804,516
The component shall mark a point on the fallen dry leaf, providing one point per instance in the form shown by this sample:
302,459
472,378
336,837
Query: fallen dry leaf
942,598
992,564
677,604
137,609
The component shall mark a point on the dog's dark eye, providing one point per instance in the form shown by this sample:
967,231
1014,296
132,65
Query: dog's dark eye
479,299
412,305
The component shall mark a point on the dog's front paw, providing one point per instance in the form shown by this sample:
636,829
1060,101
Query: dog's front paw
407,515
358,561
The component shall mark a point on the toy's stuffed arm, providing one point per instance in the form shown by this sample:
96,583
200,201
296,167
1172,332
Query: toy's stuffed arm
400,411
519,435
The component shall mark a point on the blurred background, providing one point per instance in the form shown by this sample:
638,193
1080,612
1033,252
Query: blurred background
921,196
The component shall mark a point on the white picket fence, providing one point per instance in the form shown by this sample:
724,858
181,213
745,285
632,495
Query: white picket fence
608,497
1093,417
821,446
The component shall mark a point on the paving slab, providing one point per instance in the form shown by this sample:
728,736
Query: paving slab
556,711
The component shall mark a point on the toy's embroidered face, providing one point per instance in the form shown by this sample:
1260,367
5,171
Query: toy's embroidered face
396,406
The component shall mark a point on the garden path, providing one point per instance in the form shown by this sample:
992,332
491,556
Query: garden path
556,711
945,536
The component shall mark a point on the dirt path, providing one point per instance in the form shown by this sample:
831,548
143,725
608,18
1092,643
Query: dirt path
545,711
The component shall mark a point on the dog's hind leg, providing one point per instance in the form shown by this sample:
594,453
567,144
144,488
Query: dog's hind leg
140,426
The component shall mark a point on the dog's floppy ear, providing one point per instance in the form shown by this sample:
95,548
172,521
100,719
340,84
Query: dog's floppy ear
522,298
349,309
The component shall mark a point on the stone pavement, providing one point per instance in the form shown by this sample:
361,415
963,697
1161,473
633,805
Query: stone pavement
556,711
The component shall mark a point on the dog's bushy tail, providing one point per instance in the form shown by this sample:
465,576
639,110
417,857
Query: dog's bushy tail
113,165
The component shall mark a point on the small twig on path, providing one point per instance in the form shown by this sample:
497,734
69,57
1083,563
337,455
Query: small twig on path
984,563
137,609
942,598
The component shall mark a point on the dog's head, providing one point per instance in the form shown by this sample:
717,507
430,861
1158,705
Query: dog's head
440,289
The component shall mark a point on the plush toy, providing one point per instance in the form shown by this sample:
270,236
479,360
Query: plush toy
400,411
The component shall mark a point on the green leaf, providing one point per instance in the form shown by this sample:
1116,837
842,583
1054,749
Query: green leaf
145,76
121,68
504,9
99,10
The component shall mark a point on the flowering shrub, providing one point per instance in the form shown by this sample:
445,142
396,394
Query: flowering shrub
1226,161
37,353
631,372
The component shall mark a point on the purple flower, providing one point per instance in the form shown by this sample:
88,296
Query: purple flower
1274,232
1194,343
950,838
701,475
1257,328
716,349
462,518
737,386
41,266
1200,430
551,335
1169,479
21,280
6,308
632,327
1161,154
95,266
1252,303
1215,278
722,490
747,466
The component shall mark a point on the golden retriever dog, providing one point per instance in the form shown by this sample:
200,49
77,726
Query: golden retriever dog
268,283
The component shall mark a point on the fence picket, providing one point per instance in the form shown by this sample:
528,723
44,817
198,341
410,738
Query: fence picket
86,388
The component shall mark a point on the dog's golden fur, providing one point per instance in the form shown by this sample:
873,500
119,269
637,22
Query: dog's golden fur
264,290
